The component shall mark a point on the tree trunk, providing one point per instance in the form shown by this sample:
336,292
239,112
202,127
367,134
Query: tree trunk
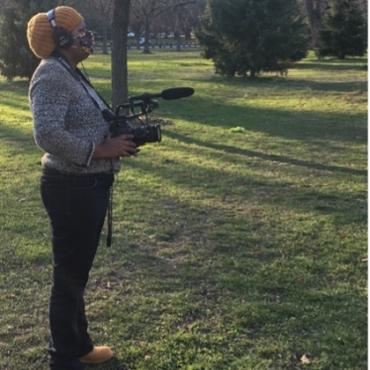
146,36
178,40
137,38
187,33
313,8
105,38
119,51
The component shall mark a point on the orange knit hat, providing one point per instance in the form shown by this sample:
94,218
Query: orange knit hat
40,34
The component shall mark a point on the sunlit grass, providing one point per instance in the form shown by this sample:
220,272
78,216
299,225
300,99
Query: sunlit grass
234,249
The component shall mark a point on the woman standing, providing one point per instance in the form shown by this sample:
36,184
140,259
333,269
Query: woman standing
78,171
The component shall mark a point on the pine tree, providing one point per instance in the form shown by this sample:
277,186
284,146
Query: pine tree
16,59
344,30
251,36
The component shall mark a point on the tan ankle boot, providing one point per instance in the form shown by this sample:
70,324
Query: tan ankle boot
98,355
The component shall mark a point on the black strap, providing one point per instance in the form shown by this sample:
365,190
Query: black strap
79,72
80,77
110,217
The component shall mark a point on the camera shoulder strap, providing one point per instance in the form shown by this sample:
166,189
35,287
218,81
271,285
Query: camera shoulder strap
104,107
96,98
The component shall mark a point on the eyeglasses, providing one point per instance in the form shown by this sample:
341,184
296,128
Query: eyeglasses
84,36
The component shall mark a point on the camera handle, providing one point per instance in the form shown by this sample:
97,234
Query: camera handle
128,110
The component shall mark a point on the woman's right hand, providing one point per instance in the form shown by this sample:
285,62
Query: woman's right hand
115,147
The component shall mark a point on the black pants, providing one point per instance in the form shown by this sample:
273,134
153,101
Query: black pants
76,205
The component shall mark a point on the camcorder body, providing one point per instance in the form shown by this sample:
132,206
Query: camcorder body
132,118
143,133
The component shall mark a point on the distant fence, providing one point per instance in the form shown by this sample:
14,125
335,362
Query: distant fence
160,44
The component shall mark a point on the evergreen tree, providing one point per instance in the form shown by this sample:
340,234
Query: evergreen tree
344,30
16,59
251,36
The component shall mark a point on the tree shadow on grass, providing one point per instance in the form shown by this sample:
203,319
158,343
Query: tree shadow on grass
18,103
19,141
269,157
218,184
240,265
349,84
334,86
14,95
18,87
333,64
298,125
362,66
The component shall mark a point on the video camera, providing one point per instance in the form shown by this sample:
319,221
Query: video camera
132,117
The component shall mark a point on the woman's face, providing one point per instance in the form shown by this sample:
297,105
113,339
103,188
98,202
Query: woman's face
83,41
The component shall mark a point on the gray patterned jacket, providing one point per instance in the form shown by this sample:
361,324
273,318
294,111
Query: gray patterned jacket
67,124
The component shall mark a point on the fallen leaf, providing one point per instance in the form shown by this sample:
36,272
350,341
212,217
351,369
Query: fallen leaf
305,359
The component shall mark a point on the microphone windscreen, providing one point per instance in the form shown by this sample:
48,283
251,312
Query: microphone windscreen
177,93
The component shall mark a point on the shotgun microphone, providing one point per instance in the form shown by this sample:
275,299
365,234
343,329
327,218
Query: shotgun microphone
168,94
177,93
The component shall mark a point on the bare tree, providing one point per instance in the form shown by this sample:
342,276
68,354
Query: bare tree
148,10
185,19
315,11
121,12
137,27
104,9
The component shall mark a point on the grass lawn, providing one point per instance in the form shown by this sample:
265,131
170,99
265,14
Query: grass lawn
240,241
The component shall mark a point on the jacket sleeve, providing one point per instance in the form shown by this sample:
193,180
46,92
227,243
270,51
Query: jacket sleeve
50,97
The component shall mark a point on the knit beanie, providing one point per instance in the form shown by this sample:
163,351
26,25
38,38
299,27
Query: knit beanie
39,30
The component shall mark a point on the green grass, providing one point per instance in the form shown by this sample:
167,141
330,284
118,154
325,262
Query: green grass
233,248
